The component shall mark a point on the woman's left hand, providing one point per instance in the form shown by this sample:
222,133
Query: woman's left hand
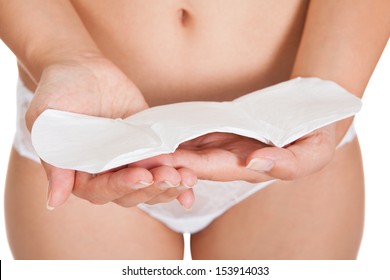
229,157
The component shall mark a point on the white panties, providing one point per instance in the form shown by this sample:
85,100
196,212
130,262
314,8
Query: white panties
212,198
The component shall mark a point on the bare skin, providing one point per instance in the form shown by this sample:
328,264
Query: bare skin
183,51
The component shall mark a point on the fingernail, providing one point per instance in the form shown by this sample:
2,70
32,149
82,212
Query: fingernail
141,185
186,184
164,185
261,164
48,200
186,205
183,187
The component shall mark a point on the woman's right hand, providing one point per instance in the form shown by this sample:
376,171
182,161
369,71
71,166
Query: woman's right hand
95,86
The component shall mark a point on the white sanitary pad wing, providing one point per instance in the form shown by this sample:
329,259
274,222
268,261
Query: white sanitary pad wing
277,115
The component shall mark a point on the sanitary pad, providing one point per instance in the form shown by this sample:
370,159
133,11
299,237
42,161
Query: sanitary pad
277,115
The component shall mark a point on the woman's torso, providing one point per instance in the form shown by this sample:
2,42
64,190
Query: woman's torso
180,50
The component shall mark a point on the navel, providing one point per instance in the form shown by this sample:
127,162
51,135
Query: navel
184,17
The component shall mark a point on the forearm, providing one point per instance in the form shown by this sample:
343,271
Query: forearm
42,33
342,41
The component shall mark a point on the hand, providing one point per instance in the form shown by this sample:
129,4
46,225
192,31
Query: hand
94,86
229,157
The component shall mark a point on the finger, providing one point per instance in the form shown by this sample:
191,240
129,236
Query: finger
165,178
60,185
167,195
217,165
153,162
187,199
188,180
103,188
306,156
211,163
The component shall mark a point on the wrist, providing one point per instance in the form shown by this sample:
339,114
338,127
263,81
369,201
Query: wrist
44,60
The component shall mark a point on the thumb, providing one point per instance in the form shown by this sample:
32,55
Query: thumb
304,157
60,187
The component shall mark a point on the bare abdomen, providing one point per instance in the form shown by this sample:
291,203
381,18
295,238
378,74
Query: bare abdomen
197,50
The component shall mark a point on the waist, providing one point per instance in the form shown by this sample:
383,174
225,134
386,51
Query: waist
197,50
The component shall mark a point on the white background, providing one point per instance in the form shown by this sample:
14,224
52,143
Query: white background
372,125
